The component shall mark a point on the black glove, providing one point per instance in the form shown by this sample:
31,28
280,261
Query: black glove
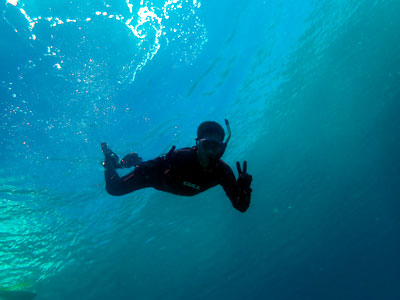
130,160
111,159
244,180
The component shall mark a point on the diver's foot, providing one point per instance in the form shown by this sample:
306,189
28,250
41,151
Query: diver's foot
110,157
130,160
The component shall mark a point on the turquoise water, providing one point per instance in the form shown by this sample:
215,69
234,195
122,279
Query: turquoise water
312,93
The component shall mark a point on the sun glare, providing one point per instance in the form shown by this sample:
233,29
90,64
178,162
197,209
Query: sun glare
13,2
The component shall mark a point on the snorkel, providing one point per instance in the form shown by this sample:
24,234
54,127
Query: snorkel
225,144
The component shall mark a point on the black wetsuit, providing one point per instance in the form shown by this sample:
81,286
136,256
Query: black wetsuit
179,172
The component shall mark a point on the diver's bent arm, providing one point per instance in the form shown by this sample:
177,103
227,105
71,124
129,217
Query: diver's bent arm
115,185
240,198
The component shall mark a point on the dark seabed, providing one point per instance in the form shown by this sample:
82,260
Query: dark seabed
312,92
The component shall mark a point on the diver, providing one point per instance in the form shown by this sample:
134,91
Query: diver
186,171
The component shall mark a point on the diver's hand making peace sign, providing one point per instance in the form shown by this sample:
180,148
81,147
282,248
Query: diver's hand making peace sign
244,180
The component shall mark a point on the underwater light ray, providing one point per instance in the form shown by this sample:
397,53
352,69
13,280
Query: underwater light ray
146,16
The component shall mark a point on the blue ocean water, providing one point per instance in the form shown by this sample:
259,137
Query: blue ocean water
311,89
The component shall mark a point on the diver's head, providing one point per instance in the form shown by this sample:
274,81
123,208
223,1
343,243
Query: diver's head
210,141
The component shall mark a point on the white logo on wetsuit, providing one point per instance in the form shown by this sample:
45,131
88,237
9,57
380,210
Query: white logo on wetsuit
192,185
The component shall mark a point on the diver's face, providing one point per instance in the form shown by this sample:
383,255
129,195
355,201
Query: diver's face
210,148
